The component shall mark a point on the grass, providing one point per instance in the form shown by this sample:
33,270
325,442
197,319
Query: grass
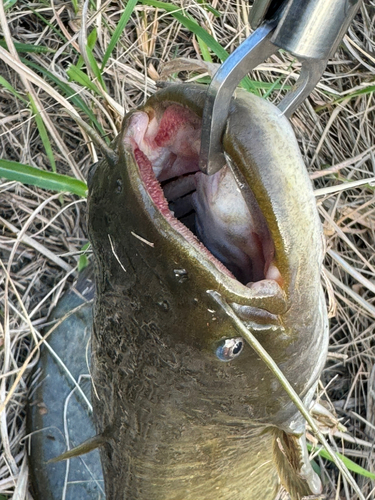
37,177
108,68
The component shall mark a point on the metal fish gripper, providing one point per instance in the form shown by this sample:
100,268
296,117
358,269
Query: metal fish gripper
310,30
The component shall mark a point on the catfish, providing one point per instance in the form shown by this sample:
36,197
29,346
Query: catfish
187,408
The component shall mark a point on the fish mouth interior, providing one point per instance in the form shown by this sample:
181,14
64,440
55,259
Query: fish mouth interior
209,211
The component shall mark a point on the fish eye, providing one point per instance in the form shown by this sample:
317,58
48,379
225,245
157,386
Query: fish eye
229,349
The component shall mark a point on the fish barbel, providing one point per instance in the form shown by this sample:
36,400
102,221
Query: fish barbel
188,409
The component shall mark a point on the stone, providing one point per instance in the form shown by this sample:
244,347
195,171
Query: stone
59,417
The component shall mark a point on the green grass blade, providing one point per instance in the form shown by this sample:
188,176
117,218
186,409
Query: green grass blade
70,93
91,41
315,467
194,27
75,6
257,85
95,68
191,25
26,47
7,5
51,26
12,90
204,50
367,90
276,83
119,29
209,8
201,33
352,466
43,134
83,260
77,75
47,180
356,93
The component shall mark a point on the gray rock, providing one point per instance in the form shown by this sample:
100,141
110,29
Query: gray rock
58,416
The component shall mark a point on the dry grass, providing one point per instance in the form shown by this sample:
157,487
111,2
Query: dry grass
42,234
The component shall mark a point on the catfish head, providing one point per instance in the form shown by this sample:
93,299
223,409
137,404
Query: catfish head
189,409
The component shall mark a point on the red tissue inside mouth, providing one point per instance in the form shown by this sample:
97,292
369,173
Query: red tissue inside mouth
156,193
170,123
153,186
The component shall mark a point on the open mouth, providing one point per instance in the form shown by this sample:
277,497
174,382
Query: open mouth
208,211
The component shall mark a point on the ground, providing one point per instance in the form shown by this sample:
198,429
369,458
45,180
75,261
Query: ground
43,234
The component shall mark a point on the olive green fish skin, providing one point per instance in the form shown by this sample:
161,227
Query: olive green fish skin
185,425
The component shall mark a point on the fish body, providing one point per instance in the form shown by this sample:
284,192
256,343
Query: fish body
190,410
